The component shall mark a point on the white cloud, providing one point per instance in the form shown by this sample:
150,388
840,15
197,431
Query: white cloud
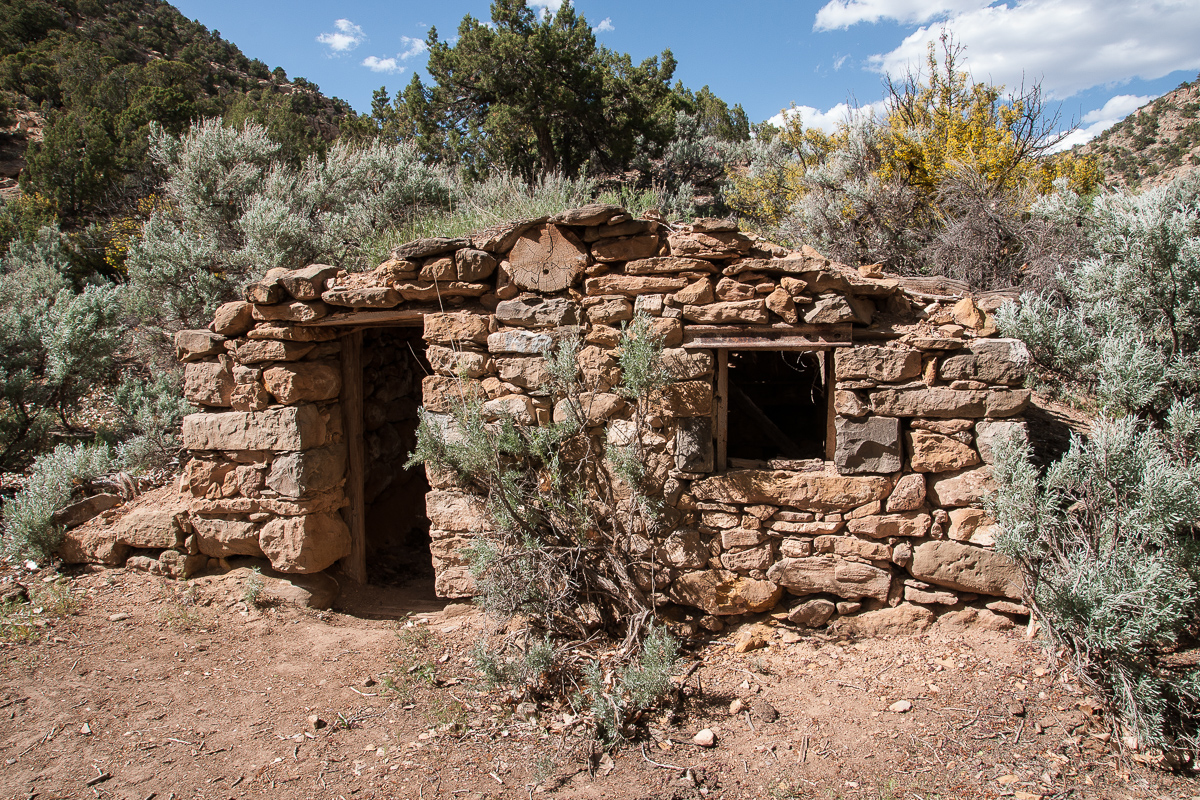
844,13
1101,119
1067,45
376,64
605,26
839,62
412,48
828,121
545,8
346,37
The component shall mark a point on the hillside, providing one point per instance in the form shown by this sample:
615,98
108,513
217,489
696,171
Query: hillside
1156,143
81,81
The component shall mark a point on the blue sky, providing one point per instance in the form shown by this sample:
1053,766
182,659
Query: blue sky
1100,59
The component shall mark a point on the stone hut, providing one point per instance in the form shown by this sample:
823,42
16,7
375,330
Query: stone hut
828,432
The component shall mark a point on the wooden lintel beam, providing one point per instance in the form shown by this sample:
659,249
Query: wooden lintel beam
372,318
761,343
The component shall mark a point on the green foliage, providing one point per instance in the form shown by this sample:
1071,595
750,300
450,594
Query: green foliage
632,688
86,65
534,96
940,183
1107,534
23,217
1106,537
1125,325
567,509
153,409
56,344
234,208
29,528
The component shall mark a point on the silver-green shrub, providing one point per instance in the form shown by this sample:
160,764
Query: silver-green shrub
29,527
57,343
1107,535
569,510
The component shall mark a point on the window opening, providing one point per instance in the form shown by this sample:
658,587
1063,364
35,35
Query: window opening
777,405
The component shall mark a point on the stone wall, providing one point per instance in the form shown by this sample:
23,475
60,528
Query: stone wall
919,389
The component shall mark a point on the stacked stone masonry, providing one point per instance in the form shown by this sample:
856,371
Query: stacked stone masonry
919,389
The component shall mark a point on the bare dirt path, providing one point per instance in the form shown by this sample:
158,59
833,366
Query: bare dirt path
156,688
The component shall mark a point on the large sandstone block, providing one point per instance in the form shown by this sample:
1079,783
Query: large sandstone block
705,244
933,452
590,214
309,472
964,488
547,258
474,265
666,264
694,445
937,403
208,383
806,491
307,283
305,544
517,407
296,311
456,328
306,382
531,311
193,345
851,580
883,364
885,525
683,549
233,319
527,373
746,560
453,582
683,399
749,311
362,297
687,365
455,363
433,246
519,342
868,445
625,249
1003,361
835,308
456,512
988,432
594,407
721,593
257,351
441,395
631,285
278,429
966,568
220,537
610,310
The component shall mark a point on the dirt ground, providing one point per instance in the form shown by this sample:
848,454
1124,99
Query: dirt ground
130,685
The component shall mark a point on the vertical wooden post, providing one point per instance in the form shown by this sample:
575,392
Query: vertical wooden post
830,412
355,564
722,408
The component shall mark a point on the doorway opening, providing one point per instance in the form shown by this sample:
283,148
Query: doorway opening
397,530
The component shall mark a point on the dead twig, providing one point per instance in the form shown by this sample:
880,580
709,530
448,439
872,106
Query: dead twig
847,685
649,760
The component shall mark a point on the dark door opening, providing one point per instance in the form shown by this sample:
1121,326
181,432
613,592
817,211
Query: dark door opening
397,530
777,405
